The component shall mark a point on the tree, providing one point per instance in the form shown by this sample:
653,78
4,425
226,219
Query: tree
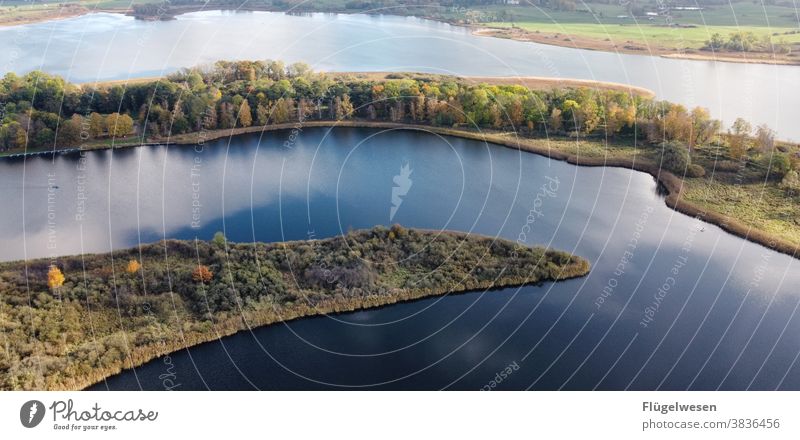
55,278
69,134
97,125
738,136
119,125
202,274
555,120
741,127
133,267
765,138
262,115
704,128
344,108
245,115
219,239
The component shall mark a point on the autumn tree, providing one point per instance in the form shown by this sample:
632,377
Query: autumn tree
97,125
245,115
202,274
119,125
704,128
738,137
55,278
133,267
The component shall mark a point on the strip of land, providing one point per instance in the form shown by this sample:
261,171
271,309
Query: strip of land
747,32
633,47
70,322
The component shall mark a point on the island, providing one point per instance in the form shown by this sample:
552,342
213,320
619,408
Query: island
70,322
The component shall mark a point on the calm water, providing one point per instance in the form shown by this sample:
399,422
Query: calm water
727,318
111,46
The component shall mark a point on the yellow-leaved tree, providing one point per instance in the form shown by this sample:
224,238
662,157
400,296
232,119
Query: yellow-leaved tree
55,278
133,267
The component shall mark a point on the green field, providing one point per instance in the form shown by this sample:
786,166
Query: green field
649,34
601,21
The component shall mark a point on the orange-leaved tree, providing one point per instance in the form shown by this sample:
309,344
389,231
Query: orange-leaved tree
202,274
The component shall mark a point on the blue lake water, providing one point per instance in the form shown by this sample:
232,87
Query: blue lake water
725,316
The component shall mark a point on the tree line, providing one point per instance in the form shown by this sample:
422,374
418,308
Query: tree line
44,111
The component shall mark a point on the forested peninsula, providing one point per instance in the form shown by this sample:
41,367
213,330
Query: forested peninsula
70,323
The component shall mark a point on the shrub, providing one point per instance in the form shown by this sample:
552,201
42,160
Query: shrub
695,170
675,157
776,165
791,183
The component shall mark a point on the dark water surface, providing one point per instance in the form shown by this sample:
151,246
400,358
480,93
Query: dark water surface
113,46
725,318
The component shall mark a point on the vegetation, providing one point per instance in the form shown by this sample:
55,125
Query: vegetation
40,111
43,111
192,291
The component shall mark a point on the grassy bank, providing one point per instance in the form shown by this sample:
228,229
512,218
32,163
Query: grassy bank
72,321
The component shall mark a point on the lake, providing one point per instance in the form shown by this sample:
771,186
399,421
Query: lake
671,302
105,46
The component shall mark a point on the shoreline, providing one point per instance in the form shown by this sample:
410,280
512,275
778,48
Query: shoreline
184,329
672,183
577,42
568,41
253,320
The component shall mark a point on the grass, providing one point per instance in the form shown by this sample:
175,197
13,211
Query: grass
648,34
760,206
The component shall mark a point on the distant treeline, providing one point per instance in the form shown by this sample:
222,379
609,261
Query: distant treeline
69,323
166,8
